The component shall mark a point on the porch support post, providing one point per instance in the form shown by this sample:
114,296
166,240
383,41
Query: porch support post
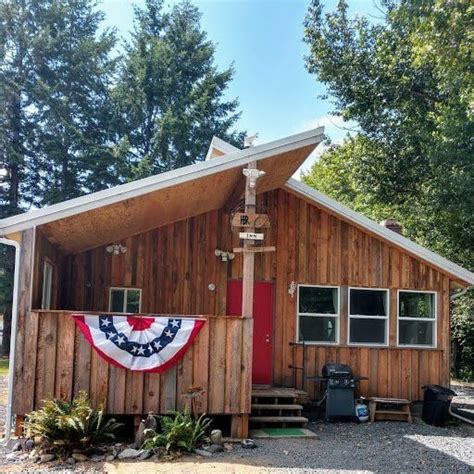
240,423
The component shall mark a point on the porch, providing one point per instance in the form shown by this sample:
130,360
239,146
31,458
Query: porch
54,360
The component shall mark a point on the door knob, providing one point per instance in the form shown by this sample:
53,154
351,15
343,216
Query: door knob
267,338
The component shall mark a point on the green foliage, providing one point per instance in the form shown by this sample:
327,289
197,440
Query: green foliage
66,425
178,432
408,81
462,331
169,96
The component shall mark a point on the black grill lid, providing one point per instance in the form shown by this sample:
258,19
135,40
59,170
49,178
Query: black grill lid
337,370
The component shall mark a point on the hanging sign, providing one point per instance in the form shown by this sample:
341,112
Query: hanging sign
250,236
144,344
242,219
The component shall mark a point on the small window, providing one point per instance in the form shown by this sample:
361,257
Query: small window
125,300
368,316
48,269
416,318
318,314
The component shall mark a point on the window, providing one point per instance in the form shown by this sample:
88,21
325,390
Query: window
125,300
47,285
318,314
416,318
368,316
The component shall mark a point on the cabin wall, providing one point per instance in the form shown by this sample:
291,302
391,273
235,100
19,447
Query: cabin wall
175,264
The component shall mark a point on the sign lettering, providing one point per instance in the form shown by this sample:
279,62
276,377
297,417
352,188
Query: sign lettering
250,236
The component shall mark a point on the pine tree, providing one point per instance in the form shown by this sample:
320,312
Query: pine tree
74,71
170,94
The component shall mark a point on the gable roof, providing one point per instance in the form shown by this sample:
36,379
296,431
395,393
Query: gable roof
318,198
219,147
97,218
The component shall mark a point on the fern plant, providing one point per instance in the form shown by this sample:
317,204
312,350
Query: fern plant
178,432
69,425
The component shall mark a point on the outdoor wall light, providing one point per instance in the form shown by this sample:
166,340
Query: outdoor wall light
292,288
116,249
225,256
253,174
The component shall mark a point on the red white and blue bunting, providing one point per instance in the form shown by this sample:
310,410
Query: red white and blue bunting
145,344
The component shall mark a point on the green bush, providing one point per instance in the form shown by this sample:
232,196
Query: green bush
65,425
180,431
462,335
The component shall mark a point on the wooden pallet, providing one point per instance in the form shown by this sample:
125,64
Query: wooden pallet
400,412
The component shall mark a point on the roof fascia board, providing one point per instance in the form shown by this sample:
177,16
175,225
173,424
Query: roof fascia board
157,182
386,234
221,145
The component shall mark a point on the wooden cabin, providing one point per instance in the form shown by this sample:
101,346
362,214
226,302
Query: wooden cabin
337,287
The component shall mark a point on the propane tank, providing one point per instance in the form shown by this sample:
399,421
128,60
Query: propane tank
361,411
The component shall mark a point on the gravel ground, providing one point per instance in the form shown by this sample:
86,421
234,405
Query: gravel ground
378,447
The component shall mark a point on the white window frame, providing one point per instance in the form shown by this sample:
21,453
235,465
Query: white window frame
47,290
337,316
361,316
126,289
404,318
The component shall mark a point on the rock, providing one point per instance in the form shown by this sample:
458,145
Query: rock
33,454
97,458
46,458
228,447
16,446
11,456
29,444
140,434
129,453
150,422
248,443
71,461
203,452
109,458
214,448
133,446
216,437
145,454
79,457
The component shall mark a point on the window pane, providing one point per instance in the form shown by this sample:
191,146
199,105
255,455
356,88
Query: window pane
416,305
116,301
318,300
315,329
133,301
416,332
47,285
367,331
369,302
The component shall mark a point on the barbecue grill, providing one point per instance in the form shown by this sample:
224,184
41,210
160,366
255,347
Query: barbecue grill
338,383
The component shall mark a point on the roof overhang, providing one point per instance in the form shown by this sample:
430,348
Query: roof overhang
464,277
100,218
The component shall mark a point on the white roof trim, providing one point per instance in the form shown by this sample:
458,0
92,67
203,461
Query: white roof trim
221,145
154,183
386,234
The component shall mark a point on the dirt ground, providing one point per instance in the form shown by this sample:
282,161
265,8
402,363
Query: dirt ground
377,447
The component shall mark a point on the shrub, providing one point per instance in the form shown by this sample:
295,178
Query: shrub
180,431
66,425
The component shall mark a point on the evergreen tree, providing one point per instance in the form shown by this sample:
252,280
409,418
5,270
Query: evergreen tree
169,96
74,71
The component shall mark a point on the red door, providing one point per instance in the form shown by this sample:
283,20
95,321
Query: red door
262,327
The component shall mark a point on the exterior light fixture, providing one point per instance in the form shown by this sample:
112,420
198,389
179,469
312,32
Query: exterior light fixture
116,249
253,174
225,256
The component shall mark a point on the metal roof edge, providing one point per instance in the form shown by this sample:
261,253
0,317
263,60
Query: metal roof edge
220,145
319,198
154,183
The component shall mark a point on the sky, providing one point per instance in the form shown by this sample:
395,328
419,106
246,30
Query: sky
263,39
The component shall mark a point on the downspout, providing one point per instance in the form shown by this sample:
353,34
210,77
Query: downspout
14,324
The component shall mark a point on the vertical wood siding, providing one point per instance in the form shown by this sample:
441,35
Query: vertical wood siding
175,264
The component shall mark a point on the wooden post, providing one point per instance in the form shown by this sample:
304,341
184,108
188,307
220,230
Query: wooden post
248,270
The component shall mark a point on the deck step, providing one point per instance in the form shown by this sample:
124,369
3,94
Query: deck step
275,406
278,419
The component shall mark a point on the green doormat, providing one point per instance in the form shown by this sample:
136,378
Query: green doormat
283,432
